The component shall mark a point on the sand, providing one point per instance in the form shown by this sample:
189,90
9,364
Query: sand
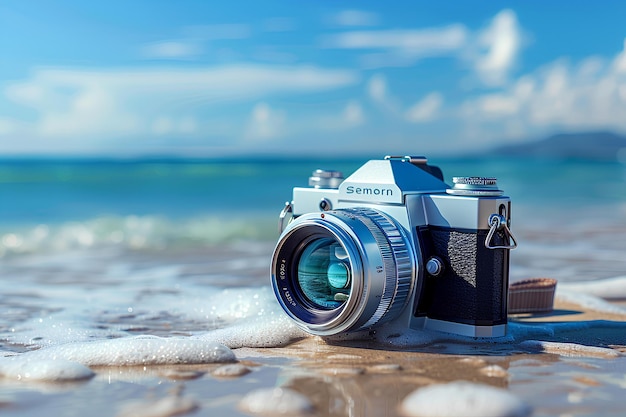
578,370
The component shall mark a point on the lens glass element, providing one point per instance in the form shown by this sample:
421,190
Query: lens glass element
324,274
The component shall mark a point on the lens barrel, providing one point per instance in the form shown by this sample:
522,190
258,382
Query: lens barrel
342,270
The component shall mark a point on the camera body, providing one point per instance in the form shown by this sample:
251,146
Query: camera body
394,244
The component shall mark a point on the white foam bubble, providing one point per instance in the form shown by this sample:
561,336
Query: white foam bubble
181,374
164,407
588,302
238,304
463,399
231,371
140,350
570,349
58,328
276,402
385,368
609,288
267,331
43,370
494,371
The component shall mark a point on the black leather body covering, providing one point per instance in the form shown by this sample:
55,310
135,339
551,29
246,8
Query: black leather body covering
472,289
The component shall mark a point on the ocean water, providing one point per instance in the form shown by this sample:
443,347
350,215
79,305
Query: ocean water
562,210
138,250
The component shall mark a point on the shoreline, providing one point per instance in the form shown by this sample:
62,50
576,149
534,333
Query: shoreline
356,380
554,380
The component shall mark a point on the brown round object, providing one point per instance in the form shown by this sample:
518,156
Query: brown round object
535,295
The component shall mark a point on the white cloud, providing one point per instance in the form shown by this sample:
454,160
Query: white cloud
8,127
398,48
109,104
378,92
162,125
171,50
330,119
410,43
492,51
426,109
187,125
26,94
377,88
353,114
274,55
619,64
354,18
166,125
590,95
90,110
191,44
265,123
499,45
231,81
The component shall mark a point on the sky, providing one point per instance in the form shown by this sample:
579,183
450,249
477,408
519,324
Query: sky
203,78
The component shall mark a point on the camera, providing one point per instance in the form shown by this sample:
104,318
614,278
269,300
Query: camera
393,244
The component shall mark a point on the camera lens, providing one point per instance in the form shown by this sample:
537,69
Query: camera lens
323,277
343,270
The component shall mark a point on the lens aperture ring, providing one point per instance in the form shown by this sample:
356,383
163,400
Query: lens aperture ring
397,263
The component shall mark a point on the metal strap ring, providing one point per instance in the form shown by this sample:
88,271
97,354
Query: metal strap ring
498,222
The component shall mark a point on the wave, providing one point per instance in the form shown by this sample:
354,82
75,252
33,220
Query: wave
574,248
134,233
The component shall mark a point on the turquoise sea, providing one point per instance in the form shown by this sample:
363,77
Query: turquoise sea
52,206
54,192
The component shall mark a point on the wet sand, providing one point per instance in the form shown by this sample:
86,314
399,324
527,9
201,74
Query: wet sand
552,375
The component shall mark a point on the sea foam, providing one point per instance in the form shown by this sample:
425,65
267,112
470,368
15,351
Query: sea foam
608,289
276,402
163,407
263,332
70,361
570,349
139,350
463,399
244,317
43,370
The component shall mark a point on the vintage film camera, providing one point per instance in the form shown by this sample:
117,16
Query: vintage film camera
393,243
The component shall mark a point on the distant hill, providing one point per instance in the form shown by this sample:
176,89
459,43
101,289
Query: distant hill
591,145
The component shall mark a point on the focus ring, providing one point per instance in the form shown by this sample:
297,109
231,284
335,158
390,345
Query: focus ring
397,263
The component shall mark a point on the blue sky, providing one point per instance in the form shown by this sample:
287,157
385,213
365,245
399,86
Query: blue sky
283,77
